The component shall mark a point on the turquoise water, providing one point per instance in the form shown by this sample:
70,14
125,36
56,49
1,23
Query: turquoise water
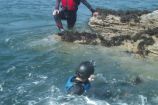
34,66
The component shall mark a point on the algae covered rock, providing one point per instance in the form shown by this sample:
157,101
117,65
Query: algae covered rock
136,31
82,38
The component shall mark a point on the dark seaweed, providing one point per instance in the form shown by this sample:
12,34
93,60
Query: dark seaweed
126,16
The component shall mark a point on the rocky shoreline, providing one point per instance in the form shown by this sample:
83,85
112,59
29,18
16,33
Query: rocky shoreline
135,31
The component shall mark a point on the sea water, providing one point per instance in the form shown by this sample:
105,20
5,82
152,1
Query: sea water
34,66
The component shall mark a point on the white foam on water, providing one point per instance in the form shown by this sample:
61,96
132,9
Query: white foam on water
55,89
7,40
122,104
80,100
32,102
30,74
52,103
11,69
43,77
21,90
48,41
36,82
143,99
95,102
58,98
1,88
62,99
90,101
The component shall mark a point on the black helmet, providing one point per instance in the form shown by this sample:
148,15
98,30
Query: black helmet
85,69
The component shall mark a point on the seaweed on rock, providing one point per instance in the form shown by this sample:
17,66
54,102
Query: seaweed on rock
152,32
126,16
114,41
112,32
90,38
141,46
86,38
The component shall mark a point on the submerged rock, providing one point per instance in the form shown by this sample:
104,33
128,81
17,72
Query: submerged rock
136,31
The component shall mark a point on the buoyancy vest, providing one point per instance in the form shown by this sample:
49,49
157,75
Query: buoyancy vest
70,83
69,4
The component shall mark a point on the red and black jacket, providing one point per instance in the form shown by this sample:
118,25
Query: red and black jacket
72,5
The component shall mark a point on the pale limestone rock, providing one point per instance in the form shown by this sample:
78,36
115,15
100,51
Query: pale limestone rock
150,20
111,26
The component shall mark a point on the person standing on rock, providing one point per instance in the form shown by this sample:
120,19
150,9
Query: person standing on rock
69,12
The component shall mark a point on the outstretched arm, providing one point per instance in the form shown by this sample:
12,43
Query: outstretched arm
57,4
88,5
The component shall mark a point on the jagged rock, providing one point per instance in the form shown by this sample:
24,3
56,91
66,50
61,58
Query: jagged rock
153,49
131,29
150,20
82,38
135,31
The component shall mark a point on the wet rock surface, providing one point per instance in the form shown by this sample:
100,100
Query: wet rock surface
136,31
76,37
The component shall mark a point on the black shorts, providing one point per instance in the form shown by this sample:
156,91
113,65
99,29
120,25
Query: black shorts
69,16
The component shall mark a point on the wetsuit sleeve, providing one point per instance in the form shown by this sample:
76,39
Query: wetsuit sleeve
57,4
88,5
76,89
87,86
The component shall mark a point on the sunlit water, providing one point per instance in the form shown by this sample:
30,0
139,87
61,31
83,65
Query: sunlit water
34,66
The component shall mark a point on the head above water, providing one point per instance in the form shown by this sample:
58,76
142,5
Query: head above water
85,69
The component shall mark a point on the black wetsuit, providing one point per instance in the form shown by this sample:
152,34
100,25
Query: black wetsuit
69,16
74,86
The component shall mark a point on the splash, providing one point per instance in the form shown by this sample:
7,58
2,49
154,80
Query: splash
45,42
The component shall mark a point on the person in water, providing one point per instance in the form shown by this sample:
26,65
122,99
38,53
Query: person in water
80,81
69,12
